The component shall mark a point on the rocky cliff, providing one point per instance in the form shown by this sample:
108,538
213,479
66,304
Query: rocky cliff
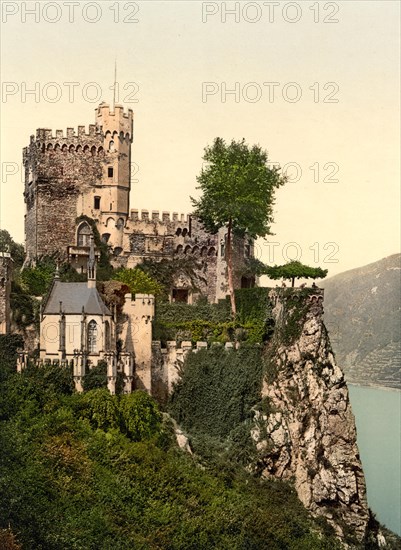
363,316
304,428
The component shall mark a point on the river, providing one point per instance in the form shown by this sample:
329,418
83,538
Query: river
378,420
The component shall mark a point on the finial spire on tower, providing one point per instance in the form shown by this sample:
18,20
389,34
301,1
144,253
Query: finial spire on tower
115,84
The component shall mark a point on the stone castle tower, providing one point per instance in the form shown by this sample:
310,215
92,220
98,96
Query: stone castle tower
81,181
78,174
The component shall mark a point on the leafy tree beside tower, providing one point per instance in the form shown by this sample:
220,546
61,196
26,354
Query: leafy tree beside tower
238,190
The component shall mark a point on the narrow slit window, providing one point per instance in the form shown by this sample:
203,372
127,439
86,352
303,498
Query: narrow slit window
96,204
110,172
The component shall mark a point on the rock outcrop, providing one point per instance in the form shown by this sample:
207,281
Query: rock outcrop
304,429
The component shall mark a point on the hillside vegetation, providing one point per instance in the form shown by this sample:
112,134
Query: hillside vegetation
363,315
95,471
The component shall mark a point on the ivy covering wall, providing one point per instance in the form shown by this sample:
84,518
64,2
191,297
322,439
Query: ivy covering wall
217,389
213,322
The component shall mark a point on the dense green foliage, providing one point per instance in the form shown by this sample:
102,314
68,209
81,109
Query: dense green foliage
238,187
9,344
95,377
138,281
7,244
213,322
217,390
95,471
295,270
296,307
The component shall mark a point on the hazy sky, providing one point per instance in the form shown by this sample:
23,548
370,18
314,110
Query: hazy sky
332,114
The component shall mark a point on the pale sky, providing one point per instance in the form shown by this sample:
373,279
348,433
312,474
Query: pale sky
164,60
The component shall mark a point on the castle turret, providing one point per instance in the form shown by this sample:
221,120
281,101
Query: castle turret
137,335
117,131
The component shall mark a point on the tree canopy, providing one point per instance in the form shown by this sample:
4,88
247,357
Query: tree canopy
138,282
238,189
295,270
7,244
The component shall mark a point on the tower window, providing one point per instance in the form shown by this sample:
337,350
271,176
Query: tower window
110,172
92,337
84,235
96,204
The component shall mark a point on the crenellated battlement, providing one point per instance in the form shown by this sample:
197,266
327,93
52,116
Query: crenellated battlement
140,307
156,216
45,134
115,121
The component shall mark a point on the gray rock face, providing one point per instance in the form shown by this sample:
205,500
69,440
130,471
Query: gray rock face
306,429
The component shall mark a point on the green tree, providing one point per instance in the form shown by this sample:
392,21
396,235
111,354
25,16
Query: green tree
102,409
295,270
7,244
95,377
138,282
140,415
238,193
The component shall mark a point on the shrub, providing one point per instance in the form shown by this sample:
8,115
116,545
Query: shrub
95,377
138,282
140,416
217,390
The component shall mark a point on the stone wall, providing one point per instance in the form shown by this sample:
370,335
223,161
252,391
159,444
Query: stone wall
58,174
6,265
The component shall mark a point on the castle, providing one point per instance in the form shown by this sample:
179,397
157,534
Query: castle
78,184
70,178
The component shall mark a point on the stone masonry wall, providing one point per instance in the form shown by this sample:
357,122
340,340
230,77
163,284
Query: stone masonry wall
5,291
59,171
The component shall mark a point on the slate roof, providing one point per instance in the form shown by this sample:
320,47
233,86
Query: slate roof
74,296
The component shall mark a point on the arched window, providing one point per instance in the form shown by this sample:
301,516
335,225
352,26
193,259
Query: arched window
187,250
195,250
111,146
120,223
92,337
178,232
212,251
179,249
93,151
204,251
105,237
84,235
184,232
71,149
107,336
64,148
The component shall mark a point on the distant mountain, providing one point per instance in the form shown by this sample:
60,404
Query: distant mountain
363,316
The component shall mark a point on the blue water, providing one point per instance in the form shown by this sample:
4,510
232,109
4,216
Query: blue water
378,421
